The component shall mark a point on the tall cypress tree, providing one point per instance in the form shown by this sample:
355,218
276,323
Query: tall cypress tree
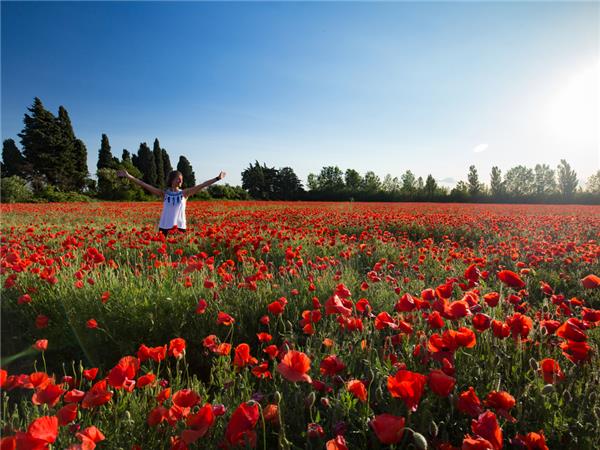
105,157
39,139
166,163
126,157
13,162
81,174
65,153
146,164
158,161
184,166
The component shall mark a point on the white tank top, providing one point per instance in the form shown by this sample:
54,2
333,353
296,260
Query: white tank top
173,213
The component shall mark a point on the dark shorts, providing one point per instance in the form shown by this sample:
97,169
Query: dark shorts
165,231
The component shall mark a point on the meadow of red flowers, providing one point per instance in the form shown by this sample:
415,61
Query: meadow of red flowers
301,325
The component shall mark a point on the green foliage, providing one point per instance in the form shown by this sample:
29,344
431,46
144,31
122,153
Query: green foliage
146,164
567,179
160,165
105,156
14,189
184,166
475,187
227,192
111,187
13,162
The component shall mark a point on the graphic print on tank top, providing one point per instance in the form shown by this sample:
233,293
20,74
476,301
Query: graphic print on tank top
173,213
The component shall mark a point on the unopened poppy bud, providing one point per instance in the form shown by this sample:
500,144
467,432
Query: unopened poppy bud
420,441
325,402
310,399
547,389
277,397
592,397
533,364
567,396
251,403
433,429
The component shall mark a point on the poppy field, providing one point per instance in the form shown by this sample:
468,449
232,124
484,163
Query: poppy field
300,325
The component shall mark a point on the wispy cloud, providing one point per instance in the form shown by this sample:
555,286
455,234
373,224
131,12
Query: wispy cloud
480,148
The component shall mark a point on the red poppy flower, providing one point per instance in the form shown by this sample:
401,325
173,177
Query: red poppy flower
295,366
502,402
481,322
337,443
550,370
591,282
125,370
177,348
41,345
491,298
520,325
74,396
532,441
41,432
201,307
487,427
48,395
242,356
469,403
576,351
90,374
98,395
262,371
67,414
357,388
240,429
145,380
331,366
388,428
572,331
476,443
225,319
186,398
511,279
440,383
199,424
408,386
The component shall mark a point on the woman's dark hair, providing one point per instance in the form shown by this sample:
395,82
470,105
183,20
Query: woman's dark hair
172,175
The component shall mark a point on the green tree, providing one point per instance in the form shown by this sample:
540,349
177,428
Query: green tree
287,184
40,140
184,166
167,167
353,180
81,179
496,183
260,181
70,178
519,181
371,182
330,179
105,156
431,186
567,179
390,184
409,183
160,165
13,162
147,165
545,182
14,189
126,157
475,187
593,183
312,182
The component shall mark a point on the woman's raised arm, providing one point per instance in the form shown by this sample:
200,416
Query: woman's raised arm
153,190
193,190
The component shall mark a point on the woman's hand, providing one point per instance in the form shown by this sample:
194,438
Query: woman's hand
221,175
123,173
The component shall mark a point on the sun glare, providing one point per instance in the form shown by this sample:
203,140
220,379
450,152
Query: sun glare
573,112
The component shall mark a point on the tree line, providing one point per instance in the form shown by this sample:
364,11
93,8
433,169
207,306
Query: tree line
519,184
52,166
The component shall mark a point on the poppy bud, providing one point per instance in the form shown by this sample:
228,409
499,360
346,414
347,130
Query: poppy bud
567,396
547,389
533,364
433,429
325,402
420,441
277,397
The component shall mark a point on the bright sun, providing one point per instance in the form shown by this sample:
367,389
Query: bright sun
573,112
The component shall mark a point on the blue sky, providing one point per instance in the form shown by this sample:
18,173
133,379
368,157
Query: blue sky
431,87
